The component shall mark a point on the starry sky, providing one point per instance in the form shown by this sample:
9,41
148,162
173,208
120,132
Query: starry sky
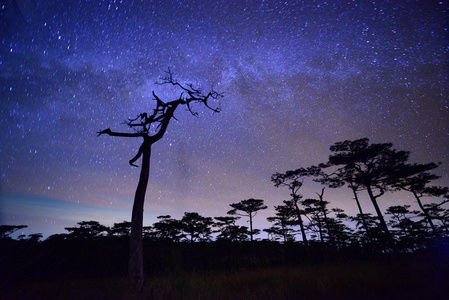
297,77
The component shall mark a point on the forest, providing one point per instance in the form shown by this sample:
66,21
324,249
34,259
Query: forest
305,233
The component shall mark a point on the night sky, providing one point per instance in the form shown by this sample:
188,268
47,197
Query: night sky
297,77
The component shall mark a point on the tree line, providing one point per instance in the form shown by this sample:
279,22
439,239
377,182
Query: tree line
372,169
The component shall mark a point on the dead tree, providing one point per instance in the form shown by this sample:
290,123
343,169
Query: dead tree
151,127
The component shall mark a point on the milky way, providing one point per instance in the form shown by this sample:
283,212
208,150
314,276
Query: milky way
297,76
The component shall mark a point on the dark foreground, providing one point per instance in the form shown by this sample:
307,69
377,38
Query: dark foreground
96,269
400,278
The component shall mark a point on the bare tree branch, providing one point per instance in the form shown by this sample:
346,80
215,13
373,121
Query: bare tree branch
194,94
121,134
153,125
138,155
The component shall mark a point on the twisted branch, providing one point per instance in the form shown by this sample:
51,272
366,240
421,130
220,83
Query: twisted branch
143,123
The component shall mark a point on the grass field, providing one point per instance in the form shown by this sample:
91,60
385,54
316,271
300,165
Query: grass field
394,279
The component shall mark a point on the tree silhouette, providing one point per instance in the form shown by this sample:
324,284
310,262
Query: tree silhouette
151,127
229,231
436,212
416,178
33,238
167,229
86,230
7,230
368,226
339,178
371,166
248,208
323,208
121,229
293,180
318,212
408,231
196,227
282,222
340,232
314,213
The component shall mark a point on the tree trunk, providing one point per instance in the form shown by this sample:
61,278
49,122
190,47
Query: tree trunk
326,219
426,214
251,226
284,231
135,268
383,225
301,224
365,225
320,229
